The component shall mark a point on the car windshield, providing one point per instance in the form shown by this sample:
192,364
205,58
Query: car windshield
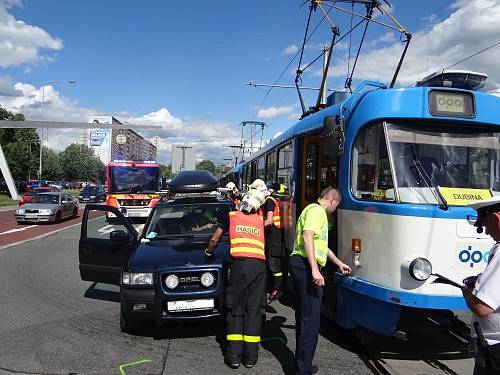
429,156
45,198
134,179
185,220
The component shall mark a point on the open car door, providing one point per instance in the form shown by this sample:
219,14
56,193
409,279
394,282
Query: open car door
103,248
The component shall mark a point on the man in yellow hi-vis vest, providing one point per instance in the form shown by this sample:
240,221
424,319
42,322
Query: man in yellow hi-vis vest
310,253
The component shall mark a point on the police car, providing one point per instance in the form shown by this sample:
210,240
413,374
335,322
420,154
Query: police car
162,271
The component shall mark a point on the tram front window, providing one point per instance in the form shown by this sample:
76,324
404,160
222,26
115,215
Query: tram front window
428,156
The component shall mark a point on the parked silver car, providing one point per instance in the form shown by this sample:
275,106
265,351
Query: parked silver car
48,207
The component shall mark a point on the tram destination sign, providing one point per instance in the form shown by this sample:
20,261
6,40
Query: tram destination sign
451,104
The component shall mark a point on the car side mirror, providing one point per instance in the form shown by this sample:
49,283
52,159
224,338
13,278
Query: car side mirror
119,236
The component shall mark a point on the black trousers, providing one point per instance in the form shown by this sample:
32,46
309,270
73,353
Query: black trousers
247,284
274,255
307,313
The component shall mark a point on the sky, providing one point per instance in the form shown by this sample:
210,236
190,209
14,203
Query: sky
185,65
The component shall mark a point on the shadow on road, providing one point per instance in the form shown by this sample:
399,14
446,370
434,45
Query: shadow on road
102,294
274,341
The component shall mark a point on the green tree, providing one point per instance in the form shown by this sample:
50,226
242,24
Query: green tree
79,163
51,165
206,165
165,171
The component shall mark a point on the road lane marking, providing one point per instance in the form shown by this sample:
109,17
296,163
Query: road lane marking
18,229
122,367
43,235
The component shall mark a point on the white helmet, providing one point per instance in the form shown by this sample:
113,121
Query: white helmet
261,186
252,200
232,187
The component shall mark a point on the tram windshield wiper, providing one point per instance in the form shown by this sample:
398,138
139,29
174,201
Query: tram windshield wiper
428,183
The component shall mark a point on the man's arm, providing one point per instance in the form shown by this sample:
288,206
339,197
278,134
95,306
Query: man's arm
308,236
214,241
344,268
269,218
477,306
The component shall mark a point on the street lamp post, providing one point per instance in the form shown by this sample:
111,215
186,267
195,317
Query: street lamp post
41,129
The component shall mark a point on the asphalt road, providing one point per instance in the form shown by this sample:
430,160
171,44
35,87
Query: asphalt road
54,323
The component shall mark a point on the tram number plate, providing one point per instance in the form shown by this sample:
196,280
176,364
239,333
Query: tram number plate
196,304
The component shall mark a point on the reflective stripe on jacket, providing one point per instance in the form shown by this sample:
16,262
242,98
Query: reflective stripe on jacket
246,235
276,212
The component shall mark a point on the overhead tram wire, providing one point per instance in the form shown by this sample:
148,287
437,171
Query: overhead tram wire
287,66
471,56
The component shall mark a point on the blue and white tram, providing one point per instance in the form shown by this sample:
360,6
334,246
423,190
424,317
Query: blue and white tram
407,162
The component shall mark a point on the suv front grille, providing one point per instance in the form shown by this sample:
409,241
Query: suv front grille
190,281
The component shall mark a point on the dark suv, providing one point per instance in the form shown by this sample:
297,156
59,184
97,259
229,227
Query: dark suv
92,194
162,272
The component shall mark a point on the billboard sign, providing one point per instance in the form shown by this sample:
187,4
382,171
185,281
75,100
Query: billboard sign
97,137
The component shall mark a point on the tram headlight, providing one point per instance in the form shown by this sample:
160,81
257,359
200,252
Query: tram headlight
207,279
420,269
172,281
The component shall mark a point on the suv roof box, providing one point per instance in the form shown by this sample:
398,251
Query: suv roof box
193,182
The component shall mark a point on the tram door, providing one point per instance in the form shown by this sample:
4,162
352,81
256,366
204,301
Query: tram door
310,172
319,169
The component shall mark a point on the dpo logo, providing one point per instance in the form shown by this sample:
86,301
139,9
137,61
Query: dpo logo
473,257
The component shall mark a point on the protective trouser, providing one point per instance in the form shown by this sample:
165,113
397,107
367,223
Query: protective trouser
274,254
247,282
307,313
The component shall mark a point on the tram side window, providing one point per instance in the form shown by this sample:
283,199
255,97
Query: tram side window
247,177
371,177
285,160
271,168
261,168
312,152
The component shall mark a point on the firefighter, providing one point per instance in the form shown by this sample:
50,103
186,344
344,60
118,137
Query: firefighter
274,241
247,280
234,194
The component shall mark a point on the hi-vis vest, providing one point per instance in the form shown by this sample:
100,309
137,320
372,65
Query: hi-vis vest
276,212
246,235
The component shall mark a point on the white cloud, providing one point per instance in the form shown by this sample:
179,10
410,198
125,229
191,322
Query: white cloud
209,137
290,50
7,87
273,112
21,43
474,25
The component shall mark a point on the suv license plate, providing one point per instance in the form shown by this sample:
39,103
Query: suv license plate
196,304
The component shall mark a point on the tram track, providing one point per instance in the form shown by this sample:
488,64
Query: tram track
441,349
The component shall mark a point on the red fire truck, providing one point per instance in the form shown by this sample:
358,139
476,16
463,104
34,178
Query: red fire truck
132,187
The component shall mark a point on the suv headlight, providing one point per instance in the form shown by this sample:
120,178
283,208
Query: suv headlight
135,278
420,269
172,281
207,279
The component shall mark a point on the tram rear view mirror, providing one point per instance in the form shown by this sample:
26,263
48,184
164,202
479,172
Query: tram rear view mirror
329,125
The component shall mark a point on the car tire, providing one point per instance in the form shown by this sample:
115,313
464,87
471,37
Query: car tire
75,213
127,324
57,219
